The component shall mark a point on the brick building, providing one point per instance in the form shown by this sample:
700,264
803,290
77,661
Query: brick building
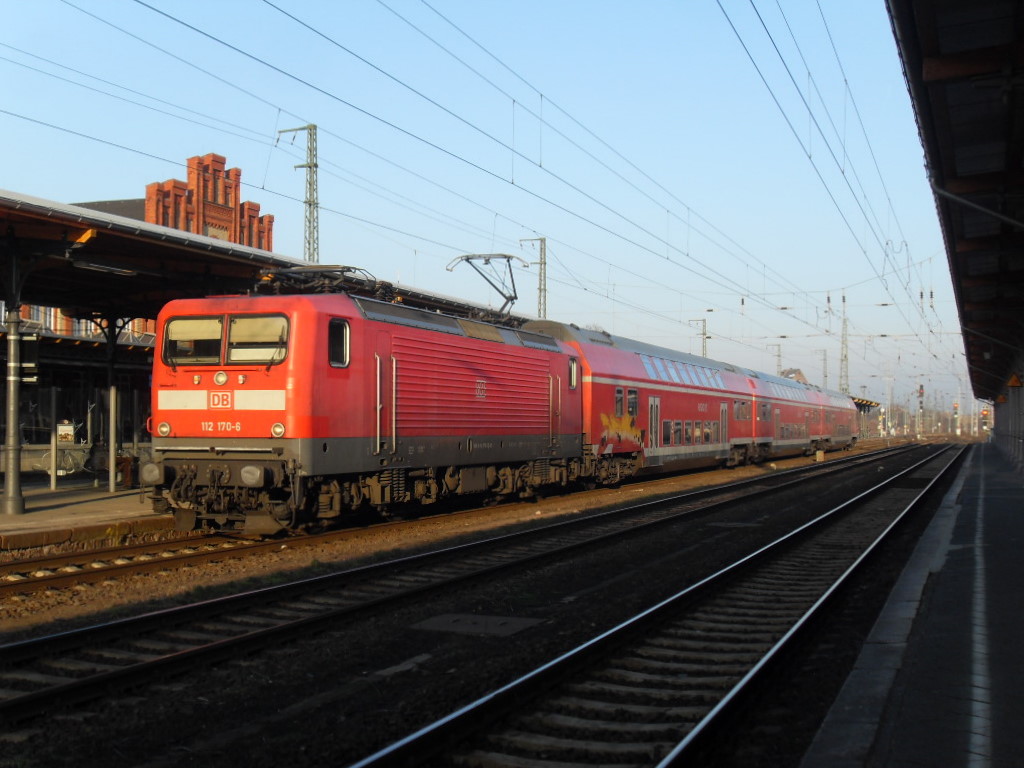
209,203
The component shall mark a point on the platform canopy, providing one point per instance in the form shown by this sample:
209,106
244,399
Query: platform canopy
89,263
92,263
864,405
961,61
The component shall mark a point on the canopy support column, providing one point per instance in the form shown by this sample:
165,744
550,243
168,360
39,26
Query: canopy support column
13,500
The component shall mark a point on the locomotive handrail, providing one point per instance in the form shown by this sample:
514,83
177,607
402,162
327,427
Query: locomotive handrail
551,410
380,407
216,449
394,405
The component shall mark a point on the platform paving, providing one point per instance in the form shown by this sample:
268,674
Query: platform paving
939,681
77,512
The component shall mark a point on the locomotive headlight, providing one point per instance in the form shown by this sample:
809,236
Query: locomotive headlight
151,474
220,378
277,430
163,429
251,475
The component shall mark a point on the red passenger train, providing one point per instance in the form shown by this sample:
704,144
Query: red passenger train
280,411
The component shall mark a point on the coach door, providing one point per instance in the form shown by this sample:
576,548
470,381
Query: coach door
386,375
654,422
723,418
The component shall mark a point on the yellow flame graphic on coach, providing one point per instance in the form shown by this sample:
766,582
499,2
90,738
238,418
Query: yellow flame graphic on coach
618,429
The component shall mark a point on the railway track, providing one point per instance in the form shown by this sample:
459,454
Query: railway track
68,569
63,571
658,688
38,675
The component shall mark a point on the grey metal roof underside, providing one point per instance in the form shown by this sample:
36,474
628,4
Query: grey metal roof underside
88,261
962,62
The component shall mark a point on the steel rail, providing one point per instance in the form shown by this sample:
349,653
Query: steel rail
69,638
469,721
34,574
468,563
59,571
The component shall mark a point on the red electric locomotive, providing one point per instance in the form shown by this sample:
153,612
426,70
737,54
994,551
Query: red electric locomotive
274,412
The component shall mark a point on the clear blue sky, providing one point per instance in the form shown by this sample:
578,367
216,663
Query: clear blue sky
676,179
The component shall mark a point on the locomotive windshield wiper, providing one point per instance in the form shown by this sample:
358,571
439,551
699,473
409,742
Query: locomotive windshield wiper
280,348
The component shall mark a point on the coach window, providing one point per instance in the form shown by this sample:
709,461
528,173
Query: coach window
337,342
677,433
633,402
688,433
698,431
659,367
619,402
666,432
573,372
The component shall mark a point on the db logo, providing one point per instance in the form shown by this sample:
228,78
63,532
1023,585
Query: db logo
220,399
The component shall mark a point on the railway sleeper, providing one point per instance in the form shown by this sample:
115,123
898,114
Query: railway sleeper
637,712
549,720
581,750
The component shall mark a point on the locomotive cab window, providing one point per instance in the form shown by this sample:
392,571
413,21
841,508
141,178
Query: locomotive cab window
258,339
193,340
619,402
337,342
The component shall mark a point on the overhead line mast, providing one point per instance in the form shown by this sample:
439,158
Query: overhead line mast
311,249
542,277
844,359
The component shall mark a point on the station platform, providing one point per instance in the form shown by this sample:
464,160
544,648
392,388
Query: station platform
938,682
78,513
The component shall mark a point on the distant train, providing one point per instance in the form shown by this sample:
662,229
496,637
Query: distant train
276,412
